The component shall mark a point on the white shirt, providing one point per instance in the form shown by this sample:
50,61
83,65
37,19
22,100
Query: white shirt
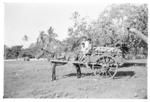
85,47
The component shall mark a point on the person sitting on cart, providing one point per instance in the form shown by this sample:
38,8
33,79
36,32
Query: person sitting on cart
86,48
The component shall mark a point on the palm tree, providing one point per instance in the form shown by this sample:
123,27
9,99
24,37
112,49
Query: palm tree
25,38
51,34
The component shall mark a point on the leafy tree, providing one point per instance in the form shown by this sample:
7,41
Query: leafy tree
6,51
13,52
112,24
79,29
48,42
51,33
25,38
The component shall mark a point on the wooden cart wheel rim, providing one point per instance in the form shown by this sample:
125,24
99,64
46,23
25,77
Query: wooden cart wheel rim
116,64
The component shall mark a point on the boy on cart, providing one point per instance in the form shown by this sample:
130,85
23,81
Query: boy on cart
86,50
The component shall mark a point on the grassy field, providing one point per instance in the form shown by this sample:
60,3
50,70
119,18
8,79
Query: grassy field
33,80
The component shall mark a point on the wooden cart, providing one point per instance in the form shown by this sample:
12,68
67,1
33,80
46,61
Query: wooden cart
104,63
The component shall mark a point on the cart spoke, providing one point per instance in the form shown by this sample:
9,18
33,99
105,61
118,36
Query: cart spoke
108,67
112,69
109,73
107,59
106,75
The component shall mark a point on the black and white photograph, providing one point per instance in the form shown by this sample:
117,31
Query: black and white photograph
75,50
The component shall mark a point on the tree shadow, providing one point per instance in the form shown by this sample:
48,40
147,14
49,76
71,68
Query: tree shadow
132,64
124,74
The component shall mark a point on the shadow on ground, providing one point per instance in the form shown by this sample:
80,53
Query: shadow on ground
119,74
75,74
124,74
132,64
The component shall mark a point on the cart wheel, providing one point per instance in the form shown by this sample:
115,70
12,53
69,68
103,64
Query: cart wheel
107,66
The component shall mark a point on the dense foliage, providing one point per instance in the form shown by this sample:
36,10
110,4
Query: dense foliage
109,29
13,52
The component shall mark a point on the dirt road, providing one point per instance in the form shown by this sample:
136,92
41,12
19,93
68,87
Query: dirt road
33,80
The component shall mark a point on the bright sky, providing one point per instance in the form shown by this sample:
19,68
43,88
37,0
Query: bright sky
31,18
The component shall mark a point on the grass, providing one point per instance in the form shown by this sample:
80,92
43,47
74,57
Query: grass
32,79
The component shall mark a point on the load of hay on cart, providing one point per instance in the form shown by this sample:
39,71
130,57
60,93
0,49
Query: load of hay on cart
103,61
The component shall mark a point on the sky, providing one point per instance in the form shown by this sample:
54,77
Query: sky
31,18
